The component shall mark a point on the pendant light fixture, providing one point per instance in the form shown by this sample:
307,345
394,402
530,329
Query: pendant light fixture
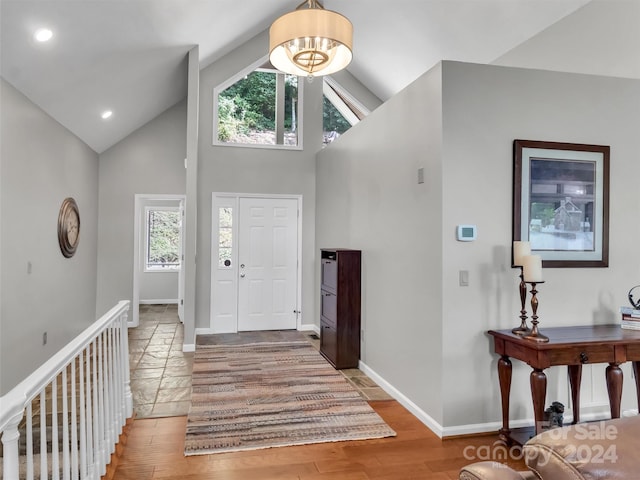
310,41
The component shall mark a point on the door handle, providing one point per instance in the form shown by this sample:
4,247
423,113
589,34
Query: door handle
242,275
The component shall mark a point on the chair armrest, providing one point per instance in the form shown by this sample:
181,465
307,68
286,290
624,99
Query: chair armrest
493,471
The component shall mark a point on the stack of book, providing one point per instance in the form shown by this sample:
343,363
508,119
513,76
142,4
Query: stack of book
630,318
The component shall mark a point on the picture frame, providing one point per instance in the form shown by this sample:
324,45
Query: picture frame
561,202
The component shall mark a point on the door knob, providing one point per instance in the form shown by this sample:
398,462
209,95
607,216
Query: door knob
242,275
242,265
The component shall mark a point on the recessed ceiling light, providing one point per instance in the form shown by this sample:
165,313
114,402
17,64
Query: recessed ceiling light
106,114
43,35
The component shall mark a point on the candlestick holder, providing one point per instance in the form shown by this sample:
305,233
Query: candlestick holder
534,334
523,329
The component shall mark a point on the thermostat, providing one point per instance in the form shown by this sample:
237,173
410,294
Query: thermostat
467,233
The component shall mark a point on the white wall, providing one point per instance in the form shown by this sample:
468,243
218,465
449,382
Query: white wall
369,199
42,163
149,161
424,334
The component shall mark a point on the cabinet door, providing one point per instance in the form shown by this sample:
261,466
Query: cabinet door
329,274
329,342
329,306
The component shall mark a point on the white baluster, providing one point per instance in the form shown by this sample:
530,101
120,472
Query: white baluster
125,365
55,453
43,435
98,429
83,419
65,426
30,441
88,396
109,390
74,422
10,437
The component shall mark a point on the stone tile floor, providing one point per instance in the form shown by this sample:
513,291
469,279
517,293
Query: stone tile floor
161,371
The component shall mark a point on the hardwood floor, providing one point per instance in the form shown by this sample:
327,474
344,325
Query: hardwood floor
154,449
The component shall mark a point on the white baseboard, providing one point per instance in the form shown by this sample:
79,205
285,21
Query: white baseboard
420,414
159,301
309,327
204,331
473,428
188,347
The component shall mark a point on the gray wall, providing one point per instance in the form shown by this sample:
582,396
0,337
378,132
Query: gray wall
149,161
369,199
261,170
485,109
254,170
42,163
424,334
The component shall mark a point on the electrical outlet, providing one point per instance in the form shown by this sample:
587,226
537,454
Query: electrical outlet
44,338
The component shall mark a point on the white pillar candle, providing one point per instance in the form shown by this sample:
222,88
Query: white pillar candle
520,250
532,268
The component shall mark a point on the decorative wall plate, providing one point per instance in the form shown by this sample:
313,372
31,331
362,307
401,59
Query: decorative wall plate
68,227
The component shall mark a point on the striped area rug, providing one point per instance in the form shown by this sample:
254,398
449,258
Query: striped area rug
263,395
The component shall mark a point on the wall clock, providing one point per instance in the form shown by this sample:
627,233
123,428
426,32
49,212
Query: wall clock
68,227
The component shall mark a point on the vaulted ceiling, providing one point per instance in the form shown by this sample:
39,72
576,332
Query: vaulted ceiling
130,56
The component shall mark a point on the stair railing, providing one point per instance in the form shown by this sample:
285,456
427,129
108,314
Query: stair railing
77,403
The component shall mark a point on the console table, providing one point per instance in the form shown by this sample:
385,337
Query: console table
571,346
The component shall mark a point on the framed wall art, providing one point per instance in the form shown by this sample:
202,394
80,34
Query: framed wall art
561,202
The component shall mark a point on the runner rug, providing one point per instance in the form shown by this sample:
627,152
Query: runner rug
265,395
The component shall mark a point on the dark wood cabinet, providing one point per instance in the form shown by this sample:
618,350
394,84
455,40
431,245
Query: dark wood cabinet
340,307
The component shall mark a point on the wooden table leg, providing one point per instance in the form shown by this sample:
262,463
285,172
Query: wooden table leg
636,373
575,378
504,375
614,388
538,382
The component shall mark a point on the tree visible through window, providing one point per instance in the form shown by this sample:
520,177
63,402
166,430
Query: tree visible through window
261,108
163,239
340,110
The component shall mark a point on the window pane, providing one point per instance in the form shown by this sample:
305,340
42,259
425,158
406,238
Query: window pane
225,236
224,258
163,239
226,216
247,110
333,122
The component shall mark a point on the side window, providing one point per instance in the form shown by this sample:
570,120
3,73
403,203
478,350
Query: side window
340,110
162,226
225,236
260,109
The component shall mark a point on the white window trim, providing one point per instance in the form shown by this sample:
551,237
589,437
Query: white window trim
145,269
230,81
329,86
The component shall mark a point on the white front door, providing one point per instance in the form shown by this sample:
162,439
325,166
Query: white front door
267,263
254,268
